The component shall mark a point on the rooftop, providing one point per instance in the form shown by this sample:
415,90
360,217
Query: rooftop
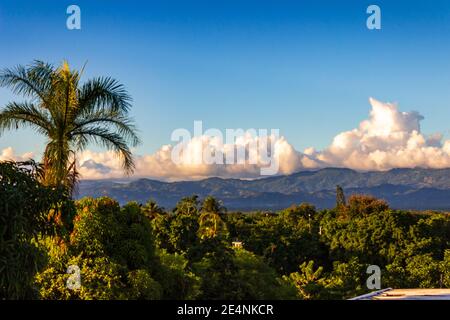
406,294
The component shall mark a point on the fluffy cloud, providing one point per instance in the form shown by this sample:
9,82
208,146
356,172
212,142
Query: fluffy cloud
8,154
160,165
388,139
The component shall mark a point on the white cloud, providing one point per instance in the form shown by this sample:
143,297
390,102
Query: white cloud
160,165
8,154
388,139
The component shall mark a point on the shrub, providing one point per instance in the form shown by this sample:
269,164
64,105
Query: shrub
114,250
26,210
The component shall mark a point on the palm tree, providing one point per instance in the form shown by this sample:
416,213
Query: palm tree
211,224
211,204
187,206
152,210
70,114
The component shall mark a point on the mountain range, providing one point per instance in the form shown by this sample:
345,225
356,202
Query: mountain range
416,188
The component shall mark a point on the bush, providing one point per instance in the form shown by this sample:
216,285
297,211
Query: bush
26,208
257,280
114,250
359,204
178,282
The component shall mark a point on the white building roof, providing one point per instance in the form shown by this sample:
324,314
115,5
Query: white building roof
406,294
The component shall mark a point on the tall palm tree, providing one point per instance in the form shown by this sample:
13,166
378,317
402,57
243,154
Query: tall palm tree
211,224
70,114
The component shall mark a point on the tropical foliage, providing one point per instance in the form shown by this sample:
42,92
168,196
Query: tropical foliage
146,252
27,210
70,115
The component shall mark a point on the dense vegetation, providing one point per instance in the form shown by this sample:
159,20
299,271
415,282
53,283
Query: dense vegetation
415,188
146,252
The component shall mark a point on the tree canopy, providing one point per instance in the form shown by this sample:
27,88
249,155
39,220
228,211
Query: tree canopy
147,252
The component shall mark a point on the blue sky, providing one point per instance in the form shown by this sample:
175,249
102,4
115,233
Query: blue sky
305,67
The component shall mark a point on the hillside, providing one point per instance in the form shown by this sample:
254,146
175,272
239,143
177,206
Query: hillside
416,188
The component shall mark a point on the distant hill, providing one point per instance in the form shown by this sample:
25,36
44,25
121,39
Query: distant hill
416,188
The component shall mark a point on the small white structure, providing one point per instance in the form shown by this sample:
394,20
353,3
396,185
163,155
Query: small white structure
236,244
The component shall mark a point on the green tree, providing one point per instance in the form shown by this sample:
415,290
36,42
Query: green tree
285,240
188,206
26,208
177,280
70,115
445,270
114,249
217,270
347,280
257,280
340,197
182,226
152,210
211,224
211,204
309,281
360,204
423,271
182,232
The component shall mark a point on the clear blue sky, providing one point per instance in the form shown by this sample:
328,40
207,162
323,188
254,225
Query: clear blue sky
305,67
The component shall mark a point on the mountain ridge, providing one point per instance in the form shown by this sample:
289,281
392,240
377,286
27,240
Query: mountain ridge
403,188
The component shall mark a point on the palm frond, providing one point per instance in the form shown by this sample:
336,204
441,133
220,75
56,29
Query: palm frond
103,93
24,114
33,81
111,120
111,141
